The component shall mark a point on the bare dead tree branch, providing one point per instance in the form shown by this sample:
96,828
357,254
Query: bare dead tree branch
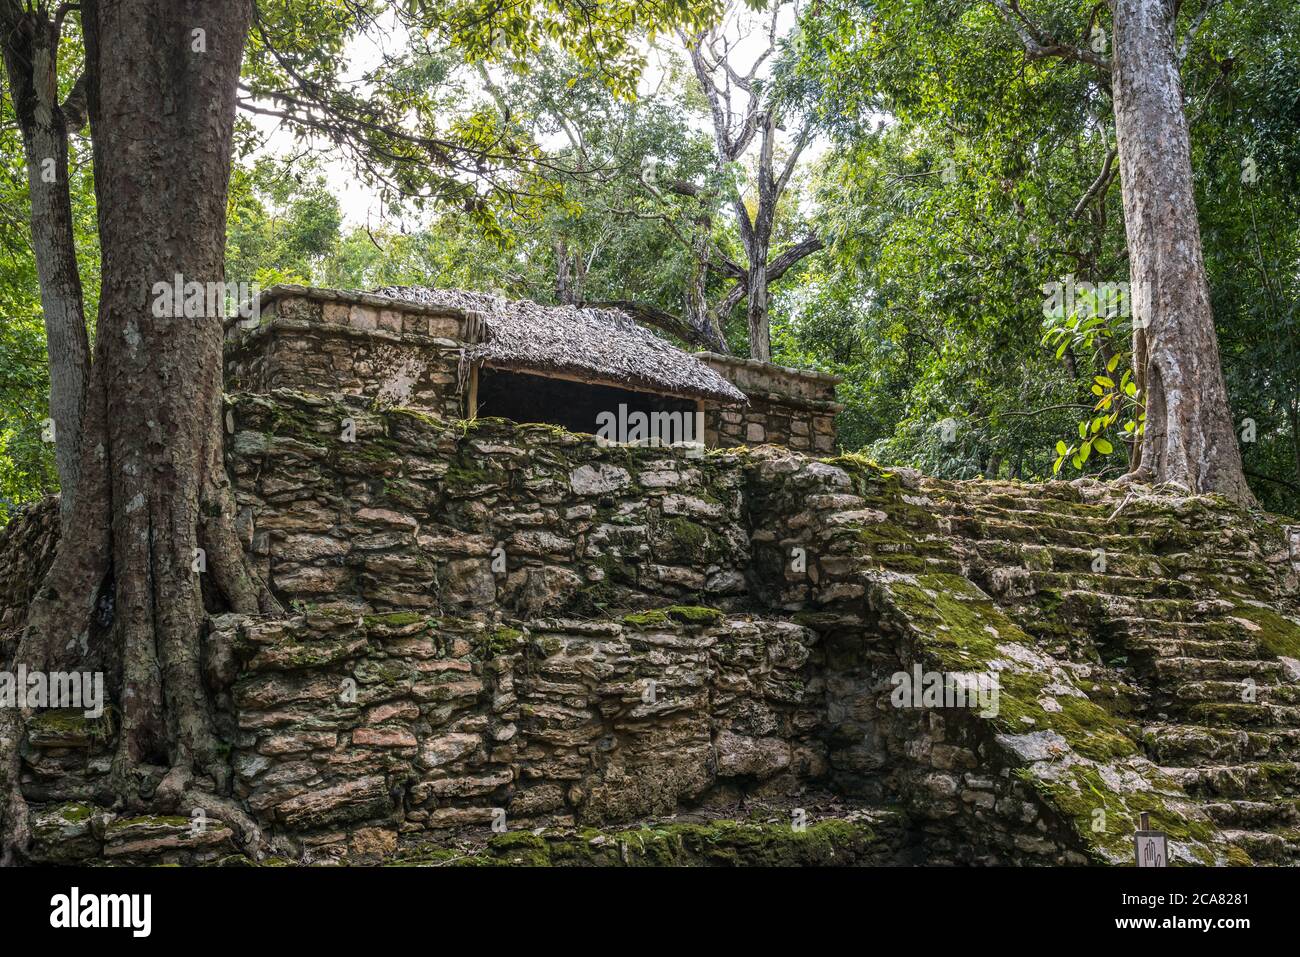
1039,45
1099,185
651,315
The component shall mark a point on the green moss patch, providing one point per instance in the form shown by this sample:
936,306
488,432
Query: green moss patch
692,616
723,843
1279,635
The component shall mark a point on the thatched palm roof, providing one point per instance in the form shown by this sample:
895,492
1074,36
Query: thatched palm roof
598,345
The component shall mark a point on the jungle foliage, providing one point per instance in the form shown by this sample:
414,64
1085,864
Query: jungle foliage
952,180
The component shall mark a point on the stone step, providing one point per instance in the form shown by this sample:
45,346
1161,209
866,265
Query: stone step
1179,641
1239,780
1247,578
1254,815
1266,847
985,527
1241,714
1230,692
1133,533
1045,513
1060,558
1040,497
1174,670
1190,744
1150,531
1109,608
1127,586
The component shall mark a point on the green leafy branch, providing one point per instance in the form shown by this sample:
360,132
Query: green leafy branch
1095,327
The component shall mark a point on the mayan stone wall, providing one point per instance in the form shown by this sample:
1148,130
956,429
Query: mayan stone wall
618,653
401,353
795,408
621,662
410,513
382,349
643,652
26,550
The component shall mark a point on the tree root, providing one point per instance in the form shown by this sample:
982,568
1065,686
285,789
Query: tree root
15,825
248,836
156,639
1139,476
243,588
179,792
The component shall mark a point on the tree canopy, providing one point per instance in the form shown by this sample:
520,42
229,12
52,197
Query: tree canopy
565,152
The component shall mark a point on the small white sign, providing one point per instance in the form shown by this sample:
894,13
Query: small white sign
1152,849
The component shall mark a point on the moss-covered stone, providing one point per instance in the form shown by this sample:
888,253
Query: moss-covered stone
499,641
69,728
720,843
1279,635
691,616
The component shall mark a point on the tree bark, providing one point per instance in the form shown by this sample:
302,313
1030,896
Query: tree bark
30,51
162,116
1293,417
698,313
163,76
563,287
760,336
1190,438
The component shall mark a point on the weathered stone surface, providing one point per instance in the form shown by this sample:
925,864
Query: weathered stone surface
134,840
794,408
412,689
742,756
349,801
66,833
596,479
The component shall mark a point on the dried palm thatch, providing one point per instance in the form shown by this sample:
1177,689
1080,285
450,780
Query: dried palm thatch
596,345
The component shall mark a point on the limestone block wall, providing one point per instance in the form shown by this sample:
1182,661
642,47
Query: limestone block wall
795,408
26,550
646,648
415,723
422,686
422,690
386,350
481,517
487,619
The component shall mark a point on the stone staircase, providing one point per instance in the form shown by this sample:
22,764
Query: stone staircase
1224,721
1180,612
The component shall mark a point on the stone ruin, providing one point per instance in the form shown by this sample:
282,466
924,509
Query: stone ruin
507,643
462,355
795,408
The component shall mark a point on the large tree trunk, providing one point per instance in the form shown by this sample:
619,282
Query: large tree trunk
31,64
1190,438
162,119
1293,416
164,75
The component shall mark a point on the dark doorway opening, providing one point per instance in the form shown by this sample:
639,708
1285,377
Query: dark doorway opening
577,406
